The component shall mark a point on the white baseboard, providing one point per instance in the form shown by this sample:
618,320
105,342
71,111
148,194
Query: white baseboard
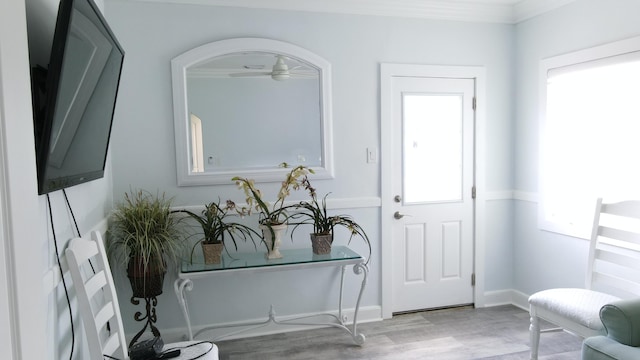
507,297
525,196
366,314
497,298
520,300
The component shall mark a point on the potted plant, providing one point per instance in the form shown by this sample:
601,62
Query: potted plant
314,213
143,234
216,229
272,219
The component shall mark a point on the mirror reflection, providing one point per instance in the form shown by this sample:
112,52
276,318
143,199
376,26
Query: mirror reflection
253,110
243,106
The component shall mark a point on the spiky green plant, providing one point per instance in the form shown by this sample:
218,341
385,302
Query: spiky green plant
216,229
143,226
315,214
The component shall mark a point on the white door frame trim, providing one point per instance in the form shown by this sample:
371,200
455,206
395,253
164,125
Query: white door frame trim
387,73
23,306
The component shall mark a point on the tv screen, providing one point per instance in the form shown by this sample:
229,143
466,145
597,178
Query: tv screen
75,97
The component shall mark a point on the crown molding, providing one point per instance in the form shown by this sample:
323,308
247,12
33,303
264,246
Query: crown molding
527,9
491,11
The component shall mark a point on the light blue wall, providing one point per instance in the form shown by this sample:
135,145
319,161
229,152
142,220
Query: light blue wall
152,34
143,145
542,259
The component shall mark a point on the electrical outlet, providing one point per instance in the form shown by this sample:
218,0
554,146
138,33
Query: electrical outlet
372,155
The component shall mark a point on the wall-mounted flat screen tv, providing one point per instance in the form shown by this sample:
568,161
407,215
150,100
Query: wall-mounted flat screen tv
75,96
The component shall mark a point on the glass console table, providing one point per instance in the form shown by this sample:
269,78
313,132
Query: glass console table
292,259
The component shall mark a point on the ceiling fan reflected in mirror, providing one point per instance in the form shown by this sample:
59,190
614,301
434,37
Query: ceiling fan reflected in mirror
279,72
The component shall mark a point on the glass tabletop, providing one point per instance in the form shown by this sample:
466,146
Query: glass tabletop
258,259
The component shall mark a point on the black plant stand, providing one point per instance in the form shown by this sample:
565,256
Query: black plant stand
150,317
146,285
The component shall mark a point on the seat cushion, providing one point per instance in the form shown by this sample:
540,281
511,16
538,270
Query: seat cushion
578,305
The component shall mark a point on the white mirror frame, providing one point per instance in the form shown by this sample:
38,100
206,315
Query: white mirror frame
179,66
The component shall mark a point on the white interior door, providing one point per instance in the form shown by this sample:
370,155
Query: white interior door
433,167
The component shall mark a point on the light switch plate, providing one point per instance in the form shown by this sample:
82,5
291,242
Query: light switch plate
372,155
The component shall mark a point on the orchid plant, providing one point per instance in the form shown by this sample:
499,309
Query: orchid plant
276,214
270,216
315,213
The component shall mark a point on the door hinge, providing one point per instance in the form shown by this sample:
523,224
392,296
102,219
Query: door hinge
474,103
473,279
473,192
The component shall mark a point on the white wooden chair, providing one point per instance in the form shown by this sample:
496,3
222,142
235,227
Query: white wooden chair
98,305
613,270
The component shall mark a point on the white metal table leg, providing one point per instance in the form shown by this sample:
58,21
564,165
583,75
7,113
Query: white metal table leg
179,286
359,338
342,318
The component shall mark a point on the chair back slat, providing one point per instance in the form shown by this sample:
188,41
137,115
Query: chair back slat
112,344
95,283
97,300
614,251
84,250
630,208
104,315
617,286
619,234
618,259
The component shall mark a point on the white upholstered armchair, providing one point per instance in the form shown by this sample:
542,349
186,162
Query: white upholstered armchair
613,269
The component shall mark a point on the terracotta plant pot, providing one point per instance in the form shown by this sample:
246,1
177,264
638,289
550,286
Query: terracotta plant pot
145,283
212,253
321,243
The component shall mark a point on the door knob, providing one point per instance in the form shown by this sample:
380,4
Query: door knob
397,215
397,198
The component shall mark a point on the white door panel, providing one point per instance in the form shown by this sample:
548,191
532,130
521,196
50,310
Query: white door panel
433,157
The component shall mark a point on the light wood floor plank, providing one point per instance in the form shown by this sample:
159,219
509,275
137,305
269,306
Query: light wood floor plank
496,333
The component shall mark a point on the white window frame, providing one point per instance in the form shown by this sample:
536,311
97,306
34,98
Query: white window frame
601,53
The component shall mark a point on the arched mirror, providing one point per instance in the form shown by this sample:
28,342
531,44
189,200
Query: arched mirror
244,106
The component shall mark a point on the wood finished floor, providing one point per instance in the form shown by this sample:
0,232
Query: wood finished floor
496,333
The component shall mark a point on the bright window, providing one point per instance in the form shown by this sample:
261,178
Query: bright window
590,138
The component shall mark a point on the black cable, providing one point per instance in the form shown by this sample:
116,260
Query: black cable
190,345
71,211
174,348
64,283
75,223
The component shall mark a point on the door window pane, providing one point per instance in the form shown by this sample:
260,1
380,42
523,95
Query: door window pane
432,147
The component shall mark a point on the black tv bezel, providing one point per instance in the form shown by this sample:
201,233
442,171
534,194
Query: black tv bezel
44,119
